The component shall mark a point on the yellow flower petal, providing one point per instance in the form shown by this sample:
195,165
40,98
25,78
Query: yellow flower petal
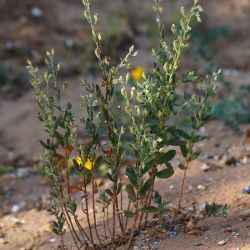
137,73
79,160
88,164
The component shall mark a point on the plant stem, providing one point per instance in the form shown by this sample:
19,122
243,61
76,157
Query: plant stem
126,220
142,214
107,215
104,224
82,231
113,231
67,217
71,228
119,217
62,243
150,199
94,211
133,227
67,170
182,185
87,211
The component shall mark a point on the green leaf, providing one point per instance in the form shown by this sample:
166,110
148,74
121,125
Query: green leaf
149,209
195,155
129,213
183,134
109,192
131,193
110,177
189,77
148,166
183,149
5,169
98,161
131,173
46,146
165,173
176,142
164,158
157,198
146,187
181,166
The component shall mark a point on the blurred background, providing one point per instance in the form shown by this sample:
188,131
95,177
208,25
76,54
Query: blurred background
28,28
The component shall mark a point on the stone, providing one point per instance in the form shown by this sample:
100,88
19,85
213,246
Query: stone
222,243
201,187
22,172
245,214
205,167
36,12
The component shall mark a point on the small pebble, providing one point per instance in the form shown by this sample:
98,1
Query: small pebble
17,207
22,172
69,43
244,160
52,240
9,45
172,234
203,130
222,243
236,234
205,167
198,244
2,241
36,12
201,187
216,157
246,190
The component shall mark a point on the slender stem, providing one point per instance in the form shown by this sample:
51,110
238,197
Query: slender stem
142,214
113,230
71,229
82,231
62,243
87,213
67,170
182,185
107,214
119,216
94,211
133,227
126,220
121,208
150,199
104,224
67,217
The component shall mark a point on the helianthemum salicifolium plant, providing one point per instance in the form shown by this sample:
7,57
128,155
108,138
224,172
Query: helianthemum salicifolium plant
151,107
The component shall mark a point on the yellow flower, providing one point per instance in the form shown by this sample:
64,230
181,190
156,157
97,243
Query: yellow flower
137,73
88,164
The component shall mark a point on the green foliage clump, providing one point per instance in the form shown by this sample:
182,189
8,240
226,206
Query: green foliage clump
234,110
150,106
216,210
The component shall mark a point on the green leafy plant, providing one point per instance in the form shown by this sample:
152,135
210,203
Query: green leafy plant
150,106
234,110
162,208
216,210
